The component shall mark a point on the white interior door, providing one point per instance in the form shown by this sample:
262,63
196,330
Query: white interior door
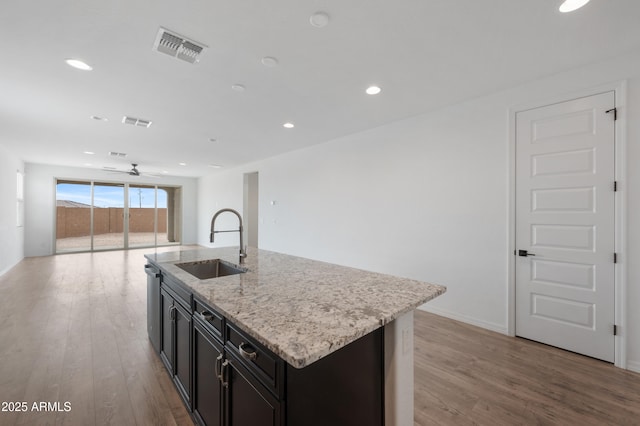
565,158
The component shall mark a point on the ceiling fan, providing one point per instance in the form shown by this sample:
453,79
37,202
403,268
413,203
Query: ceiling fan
133,172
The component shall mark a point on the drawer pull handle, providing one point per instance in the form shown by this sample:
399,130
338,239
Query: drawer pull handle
251,356
206,315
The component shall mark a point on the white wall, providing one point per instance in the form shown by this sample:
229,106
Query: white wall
11,236
40,201
426,198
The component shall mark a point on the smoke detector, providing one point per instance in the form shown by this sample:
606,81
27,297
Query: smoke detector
178,46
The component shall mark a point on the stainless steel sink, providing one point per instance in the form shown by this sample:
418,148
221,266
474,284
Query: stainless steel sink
210,268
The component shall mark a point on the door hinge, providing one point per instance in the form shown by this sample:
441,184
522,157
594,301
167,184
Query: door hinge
615,113
615,257
615,330
615,185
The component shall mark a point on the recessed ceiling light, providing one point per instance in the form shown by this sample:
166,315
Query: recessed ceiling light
89,152
78,64
269,61
238,87
373,90
319,19
164,171
182,164
288,125
87,164
571,5
215,166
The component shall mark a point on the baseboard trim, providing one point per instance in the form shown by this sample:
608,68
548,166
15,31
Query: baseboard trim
633,366
498,328
10,267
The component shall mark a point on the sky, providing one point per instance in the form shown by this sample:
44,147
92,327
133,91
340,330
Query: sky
110,196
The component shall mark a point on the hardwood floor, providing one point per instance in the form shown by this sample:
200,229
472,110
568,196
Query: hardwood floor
465,375
73,329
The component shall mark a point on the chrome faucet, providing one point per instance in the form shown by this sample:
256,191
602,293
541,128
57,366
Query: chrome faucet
243,254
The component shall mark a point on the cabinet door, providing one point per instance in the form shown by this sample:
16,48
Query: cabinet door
248,402
166,335
207,389
182,352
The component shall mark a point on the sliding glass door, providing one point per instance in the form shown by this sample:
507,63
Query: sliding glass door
108,216
111,216
73,216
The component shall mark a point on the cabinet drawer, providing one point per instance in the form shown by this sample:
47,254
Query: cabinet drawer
213,321
264,364
181,294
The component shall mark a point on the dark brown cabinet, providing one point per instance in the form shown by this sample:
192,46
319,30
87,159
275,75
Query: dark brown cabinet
227,378
248,402
225,391
207,387
166,335
176,342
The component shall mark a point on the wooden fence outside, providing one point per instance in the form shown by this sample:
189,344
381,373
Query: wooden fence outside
76,221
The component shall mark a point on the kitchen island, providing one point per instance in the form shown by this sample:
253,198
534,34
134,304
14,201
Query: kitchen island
319,343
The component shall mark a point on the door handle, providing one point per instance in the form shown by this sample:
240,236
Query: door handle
218,368
225,373
524,253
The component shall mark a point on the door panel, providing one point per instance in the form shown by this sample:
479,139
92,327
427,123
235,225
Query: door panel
73,216
248,402
207,394
182,354
565,221
166,337
142,216
108,216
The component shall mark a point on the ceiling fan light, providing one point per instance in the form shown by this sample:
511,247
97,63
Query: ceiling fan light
571,5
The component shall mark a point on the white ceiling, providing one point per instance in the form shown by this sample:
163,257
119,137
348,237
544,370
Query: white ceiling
425,54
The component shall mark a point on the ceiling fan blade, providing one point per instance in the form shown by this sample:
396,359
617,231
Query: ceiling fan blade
132,172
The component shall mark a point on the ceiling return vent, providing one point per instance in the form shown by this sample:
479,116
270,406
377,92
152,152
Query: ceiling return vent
117,154
178,46
136,121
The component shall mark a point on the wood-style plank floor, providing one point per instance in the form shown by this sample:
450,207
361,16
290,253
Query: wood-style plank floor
465,375
73,329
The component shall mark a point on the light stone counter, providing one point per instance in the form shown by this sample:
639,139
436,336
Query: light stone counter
300,309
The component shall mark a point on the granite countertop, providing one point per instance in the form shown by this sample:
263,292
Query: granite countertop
300,309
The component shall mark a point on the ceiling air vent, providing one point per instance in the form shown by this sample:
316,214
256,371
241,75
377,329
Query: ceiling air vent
136,121
178,46
117,154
